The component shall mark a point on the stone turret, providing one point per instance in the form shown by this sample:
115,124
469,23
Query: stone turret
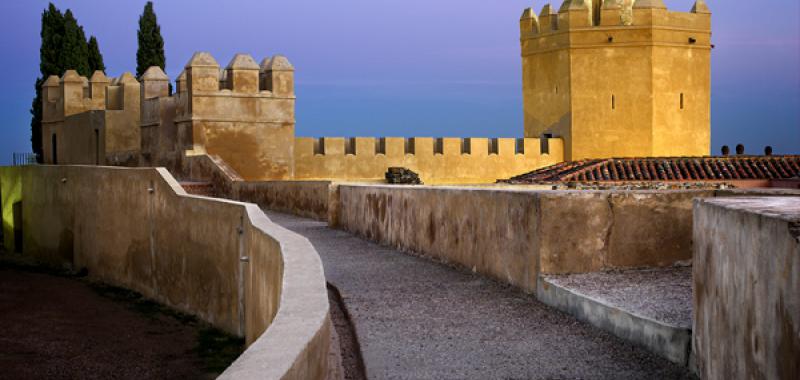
98,84
155,83
72,93
279,76
618,78
202,73
243,73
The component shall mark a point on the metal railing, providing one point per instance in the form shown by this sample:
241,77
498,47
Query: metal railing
20,159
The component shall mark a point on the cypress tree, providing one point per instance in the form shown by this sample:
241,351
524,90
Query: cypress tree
49,64
151,44
63,47
74,49
95,58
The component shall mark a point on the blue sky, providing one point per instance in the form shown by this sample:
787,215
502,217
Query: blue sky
410,67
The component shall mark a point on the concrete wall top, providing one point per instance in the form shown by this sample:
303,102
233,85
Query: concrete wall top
785,208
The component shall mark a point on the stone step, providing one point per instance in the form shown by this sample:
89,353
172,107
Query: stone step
198,188
649,307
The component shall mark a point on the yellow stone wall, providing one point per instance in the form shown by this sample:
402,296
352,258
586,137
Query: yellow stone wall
610,84
89,118
437,161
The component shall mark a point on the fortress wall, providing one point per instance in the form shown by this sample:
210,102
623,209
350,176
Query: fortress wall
513,235
491,232
244,114
141,231
746,277
74,107
438,161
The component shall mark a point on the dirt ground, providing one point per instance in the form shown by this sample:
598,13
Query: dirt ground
57,327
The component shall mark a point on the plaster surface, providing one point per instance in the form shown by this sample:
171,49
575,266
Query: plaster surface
222,261
747,288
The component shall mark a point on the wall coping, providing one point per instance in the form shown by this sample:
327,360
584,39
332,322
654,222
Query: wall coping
783,208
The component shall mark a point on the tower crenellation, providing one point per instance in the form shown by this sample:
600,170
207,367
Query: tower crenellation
576,14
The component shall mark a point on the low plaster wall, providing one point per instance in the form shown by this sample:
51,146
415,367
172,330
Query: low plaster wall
513,235
222,261
747,288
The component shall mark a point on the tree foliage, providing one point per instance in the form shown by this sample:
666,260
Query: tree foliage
151,44
95,58
64,47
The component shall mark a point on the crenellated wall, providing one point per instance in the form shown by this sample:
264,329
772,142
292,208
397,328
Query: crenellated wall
90,121
437,160
618,78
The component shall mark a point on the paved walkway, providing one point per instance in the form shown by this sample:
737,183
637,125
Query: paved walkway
417,319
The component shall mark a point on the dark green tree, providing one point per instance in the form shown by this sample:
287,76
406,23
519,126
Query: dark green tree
49,64
74,49
151,44
63,47
95,58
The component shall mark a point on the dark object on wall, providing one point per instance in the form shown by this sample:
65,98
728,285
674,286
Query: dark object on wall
740,149
726,150
767,150
402,176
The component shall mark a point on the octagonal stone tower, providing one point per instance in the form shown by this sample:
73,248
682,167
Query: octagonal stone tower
618,78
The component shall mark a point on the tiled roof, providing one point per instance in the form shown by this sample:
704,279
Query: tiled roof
666,169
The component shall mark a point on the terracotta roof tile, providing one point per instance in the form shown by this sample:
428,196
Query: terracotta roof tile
666,169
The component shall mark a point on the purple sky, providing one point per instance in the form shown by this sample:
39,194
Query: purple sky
410,67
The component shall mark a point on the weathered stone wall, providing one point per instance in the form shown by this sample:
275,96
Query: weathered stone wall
222,261
513,235
747,288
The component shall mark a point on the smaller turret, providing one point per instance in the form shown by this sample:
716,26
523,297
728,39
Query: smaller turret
243,73
155,83
202,73
279,76
548,20
529,23
97,86
50,89
611,13
72,92
574,14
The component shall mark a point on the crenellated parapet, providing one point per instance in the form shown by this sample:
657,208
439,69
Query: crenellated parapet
437,160
73,94
618,77
577,14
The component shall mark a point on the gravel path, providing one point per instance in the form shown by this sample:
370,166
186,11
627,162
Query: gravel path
416,319
663,294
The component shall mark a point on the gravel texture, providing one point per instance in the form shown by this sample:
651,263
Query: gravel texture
59,328
417,319
662,294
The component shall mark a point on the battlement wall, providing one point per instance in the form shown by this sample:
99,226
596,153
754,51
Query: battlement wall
437,160
603,16
72,94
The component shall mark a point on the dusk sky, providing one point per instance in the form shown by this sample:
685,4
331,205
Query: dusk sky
410,67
